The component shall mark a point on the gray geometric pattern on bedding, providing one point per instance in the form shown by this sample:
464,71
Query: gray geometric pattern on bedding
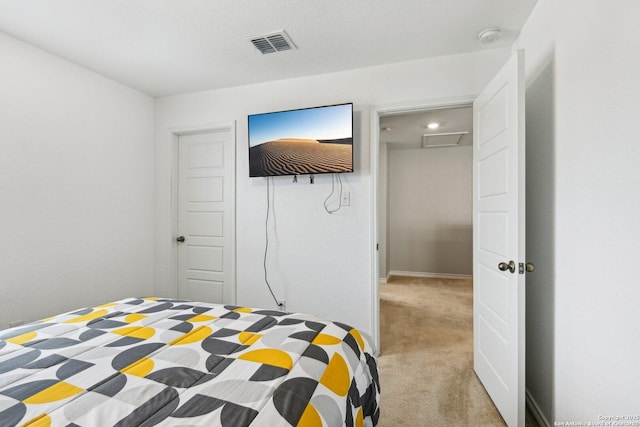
165,362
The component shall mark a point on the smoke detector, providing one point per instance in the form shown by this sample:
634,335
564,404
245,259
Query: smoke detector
490,35
276,41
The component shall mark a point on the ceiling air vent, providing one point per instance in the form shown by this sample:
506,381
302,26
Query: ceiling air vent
272,42
432,140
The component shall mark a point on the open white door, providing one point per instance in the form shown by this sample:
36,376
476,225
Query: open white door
499,240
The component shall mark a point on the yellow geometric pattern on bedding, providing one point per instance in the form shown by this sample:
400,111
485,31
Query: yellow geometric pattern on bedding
157,361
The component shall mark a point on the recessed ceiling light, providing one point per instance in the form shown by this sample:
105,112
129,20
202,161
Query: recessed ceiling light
490,35
433,125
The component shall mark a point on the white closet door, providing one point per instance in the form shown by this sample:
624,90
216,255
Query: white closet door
206,217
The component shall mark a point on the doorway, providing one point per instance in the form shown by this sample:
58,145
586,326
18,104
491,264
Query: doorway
425,215
378,225
425,193
498,236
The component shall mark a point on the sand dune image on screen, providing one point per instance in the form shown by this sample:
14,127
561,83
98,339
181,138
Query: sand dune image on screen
305,141
297,156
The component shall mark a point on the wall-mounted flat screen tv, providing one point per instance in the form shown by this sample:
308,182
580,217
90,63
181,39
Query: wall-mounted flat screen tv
304,141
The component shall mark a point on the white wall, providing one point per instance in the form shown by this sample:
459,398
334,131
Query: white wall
593,74
540,231
538,40
76,186
382,211
430,198
321,263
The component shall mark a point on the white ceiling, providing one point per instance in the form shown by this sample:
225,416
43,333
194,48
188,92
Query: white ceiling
164,47
405,131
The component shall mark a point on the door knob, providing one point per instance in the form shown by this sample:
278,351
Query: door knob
503,266
530,267
180,239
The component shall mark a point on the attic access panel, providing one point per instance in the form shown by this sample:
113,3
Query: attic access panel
449,139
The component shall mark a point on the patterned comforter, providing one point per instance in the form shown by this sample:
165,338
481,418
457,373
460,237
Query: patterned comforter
170,362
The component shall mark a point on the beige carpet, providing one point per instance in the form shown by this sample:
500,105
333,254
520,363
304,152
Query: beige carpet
426,357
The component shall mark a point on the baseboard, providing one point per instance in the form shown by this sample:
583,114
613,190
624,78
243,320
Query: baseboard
382,280
424,274
535,410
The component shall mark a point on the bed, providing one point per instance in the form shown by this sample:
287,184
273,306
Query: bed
166,362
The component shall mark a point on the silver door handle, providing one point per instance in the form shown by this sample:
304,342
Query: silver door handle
503,266
180,239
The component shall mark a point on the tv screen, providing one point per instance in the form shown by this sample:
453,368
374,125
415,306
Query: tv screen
305,141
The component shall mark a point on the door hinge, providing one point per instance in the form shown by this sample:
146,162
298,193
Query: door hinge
528,267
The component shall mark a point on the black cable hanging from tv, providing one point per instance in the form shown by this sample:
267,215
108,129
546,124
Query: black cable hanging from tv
266,247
